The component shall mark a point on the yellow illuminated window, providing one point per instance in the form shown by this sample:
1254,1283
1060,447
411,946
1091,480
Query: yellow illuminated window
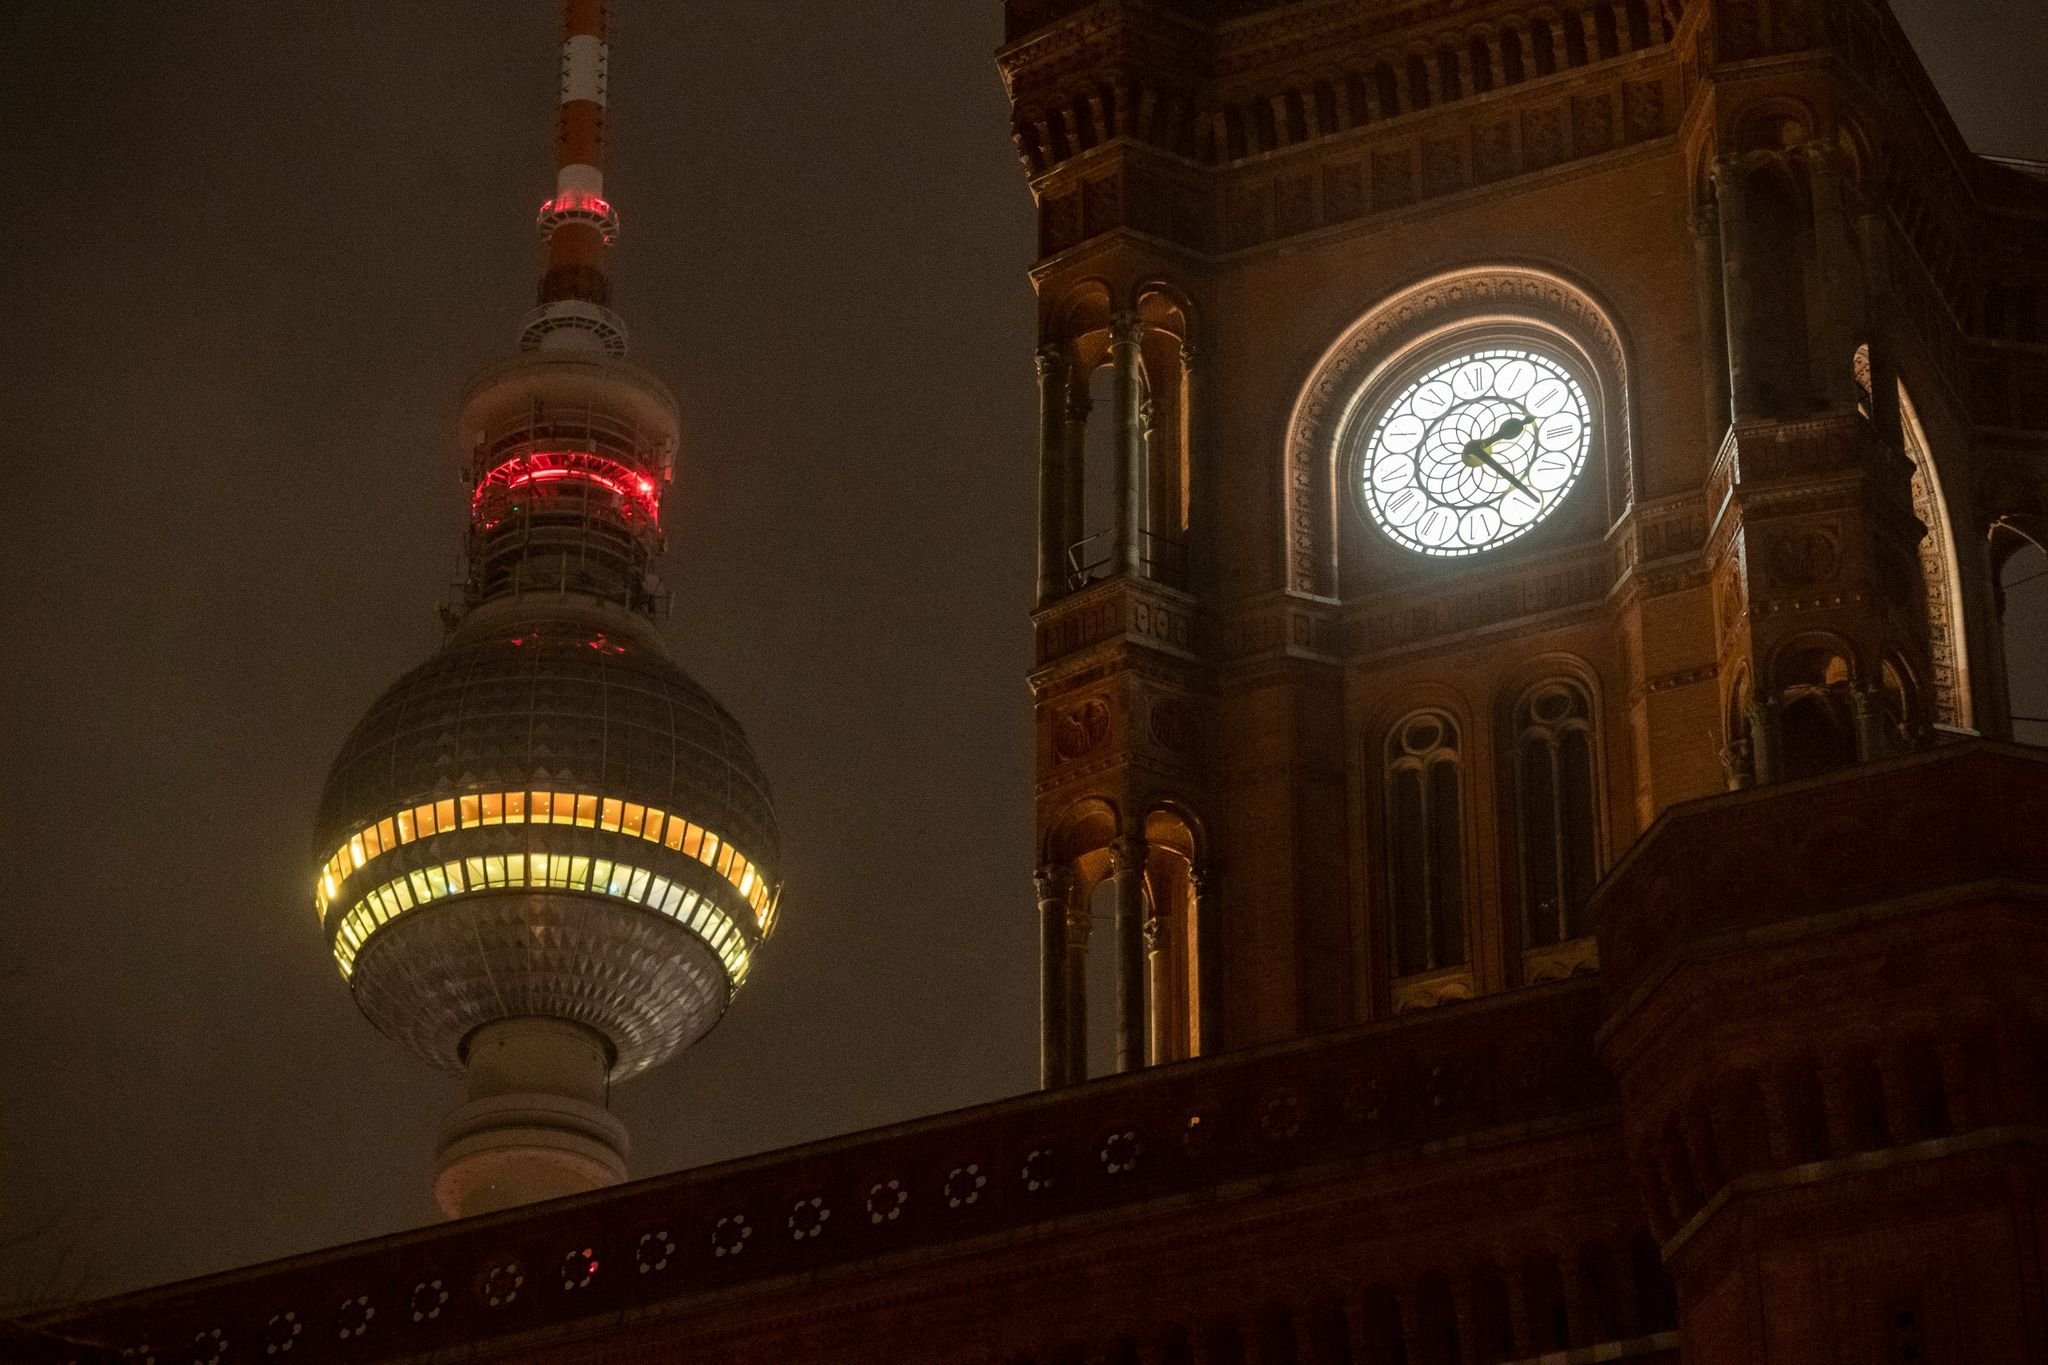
708,855
371,847
747,881
542,807
494,808
586,811
472,811
444,814
405,831
558,869
565,808
678,828
579,872
355,851
423,821
614,883
387,832
630,822
637,890
515,808
725,862
609,811
473,872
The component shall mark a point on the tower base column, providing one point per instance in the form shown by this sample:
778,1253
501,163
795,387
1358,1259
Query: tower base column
534,1124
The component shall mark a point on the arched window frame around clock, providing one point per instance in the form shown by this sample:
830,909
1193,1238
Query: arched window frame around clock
1329,547
1392,381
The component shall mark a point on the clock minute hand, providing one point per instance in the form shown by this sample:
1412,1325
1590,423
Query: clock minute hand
1485,454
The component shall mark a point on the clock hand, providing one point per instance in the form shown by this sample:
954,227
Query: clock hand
1485,455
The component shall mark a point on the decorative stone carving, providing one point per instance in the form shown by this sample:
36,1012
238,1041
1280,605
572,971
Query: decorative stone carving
1175,725
1802,558
1080,730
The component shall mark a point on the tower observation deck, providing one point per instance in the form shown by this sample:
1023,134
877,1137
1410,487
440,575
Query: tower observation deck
546,856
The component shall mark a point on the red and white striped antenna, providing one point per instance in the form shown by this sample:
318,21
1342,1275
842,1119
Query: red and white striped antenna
578,222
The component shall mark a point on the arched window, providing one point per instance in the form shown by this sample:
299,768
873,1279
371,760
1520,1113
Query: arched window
1425,844
1556,812
1817,717
1512,71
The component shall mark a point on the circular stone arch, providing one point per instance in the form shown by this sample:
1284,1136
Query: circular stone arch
1522,297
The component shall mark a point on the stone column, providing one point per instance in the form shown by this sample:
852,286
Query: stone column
1737,303
1708,282
1128,357
1834,345
1205,920
1074,985
1885,414
1158,986
534,1123
1763,736
1054,884
1052,471
1127,865
1197,473
1073,491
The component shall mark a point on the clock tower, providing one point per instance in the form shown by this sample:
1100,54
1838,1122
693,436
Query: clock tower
1468,434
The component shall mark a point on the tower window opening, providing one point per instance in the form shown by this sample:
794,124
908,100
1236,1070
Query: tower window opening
1093,555
1358,94
1418,82
1543,46
1425,842
1574,42
1482,65
1512,70
1606,32
1388,89
1816,723
1639,33
1101,979
1556,820
1448,79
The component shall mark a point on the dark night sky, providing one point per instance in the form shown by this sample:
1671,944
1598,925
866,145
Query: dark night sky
255,250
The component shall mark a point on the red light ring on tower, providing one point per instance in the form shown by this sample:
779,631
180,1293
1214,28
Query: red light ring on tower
636,490
579,206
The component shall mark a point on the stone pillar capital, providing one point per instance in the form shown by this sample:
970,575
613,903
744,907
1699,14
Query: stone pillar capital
1079,923
1051,360
1125,329
1053,881
1155,931
1128,853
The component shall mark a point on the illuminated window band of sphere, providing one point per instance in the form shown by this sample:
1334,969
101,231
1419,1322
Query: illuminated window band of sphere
543,871
486,810
1476,452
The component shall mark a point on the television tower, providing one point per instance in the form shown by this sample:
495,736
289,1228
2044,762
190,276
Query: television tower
548,857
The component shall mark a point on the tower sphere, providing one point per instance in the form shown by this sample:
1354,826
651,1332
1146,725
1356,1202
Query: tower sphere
548,818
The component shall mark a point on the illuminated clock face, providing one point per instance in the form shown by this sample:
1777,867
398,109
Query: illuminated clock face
1475,452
